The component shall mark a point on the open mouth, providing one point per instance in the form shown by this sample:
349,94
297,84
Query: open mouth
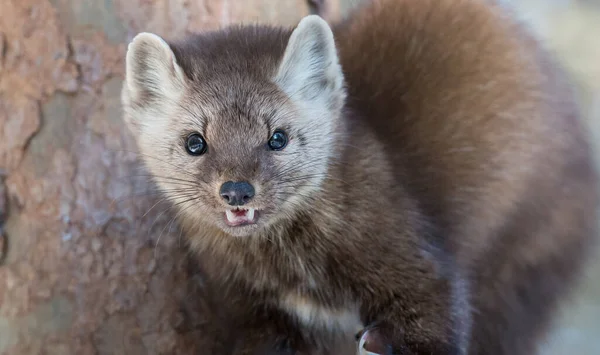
241,216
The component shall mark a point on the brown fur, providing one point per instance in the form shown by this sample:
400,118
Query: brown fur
458,205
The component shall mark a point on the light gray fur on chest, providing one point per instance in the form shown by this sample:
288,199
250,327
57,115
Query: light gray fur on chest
312,314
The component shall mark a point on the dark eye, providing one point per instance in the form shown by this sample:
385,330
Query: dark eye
195,144
278,140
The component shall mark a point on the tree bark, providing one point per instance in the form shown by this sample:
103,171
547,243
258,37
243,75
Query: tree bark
91,259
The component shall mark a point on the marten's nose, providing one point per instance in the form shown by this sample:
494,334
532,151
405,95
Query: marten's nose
237,193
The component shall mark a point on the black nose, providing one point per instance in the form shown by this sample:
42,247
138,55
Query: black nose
237,193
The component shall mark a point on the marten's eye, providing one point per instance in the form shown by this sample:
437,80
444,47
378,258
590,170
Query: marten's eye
195,144
278,140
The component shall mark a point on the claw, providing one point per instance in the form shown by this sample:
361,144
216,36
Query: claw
370,342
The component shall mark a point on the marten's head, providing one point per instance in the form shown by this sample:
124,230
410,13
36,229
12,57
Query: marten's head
237,126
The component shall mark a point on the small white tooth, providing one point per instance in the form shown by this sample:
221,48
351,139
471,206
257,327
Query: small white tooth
230,216
250,214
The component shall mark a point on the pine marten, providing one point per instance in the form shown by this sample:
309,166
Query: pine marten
417,174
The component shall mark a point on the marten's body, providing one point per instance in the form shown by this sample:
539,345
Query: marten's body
428,181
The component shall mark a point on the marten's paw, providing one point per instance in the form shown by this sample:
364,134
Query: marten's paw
382,338
378,339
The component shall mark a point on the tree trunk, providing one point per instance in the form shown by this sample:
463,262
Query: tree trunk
90,259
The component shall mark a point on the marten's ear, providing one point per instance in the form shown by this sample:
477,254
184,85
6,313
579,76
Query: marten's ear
310,69
152,72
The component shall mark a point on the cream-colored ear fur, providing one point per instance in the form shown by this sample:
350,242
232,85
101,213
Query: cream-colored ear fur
310,68
152,72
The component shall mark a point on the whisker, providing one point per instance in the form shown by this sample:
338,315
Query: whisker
169,226
175,192
167,178
308,176
295,166
158,159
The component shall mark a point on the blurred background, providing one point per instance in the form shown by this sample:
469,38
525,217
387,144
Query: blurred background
89,262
